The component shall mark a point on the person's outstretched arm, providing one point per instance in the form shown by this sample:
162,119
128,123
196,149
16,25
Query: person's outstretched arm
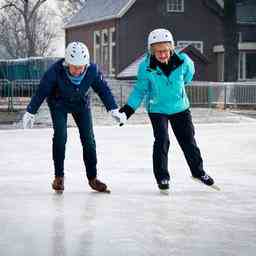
138,93
101,88
45,87
189,69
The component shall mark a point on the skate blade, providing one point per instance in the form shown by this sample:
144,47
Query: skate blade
215,187
58,192
165,192
107,191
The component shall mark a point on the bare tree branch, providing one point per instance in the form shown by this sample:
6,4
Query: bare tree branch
6,6
69,7
11,4
36,7
26,28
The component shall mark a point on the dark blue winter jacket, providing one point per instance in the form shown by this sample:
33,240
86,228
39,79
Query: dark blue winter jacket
60,91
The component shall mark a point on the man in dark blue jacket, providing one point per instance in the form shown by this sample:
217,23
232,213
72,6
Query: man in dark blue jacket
66,86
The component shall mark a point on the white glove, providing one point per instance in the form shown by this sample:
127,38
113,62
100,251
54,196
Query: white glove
28,120
119,117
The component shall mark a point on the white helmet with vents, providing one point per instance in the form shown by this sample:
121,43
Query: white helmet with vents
159,36
77,54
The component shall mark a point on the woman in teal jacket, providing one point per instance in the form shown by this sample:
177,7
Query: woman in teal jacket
162,77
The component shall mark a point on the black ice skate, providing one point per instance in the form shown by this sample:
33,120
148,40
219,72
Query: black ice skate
164,186
58,184
99,186
207,180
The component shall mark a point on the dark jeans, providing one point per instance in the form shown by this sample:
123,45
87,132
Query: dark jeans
83,120
183,129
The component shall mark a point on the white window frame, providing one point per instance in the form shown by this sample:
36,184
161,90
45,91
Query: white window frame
220,66
183,44
96,46
242,71
103,44
107,67
172,5
240,37
111,46
241,66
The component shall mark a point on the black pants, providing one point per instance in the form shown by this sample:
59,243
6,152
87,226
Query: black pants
83,120
183,129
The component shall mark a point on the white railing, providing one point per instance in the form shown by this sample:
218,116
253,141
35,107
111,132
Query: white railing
16,94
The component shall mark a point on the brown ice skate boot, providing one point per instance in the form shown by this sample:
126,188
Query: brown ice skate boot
58,184
98,185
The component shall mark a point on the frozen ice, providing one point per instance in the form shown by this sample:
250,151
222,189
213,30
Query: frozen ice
135,219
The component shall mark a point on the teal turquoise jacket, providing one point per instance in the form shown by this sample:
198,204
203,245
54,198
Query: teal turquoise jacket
163,94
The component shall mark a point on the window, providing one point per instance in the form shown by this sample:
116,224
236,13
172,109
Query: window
197,44
241,70
104,46
250,65
175,5
246,66
96,46
112,51
240,37
104,52
220,66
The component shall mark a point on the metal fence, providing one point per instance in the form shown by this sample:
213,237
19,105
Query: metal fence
236,94
16,94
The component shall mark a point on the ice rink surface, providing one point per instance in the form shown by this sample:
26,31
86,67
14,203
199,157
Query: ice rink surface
135,219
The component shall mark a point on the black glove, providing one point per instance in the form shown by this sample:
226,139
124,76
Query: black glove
127,110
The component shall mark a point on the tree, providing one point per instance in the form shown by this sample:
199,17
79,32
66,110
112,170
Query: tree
230,41
25,27
69,7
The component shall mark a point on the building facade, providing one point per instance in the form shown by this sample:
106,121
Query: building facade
116,32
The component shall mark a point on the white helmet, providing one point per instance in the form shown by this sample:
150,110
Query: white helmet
77,54
158,36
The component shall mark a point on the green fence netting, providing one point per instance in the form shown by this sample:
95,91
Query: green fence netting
25,69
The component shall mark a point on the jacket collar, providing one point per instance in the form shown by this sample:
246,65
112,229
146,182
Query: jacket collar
174,63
